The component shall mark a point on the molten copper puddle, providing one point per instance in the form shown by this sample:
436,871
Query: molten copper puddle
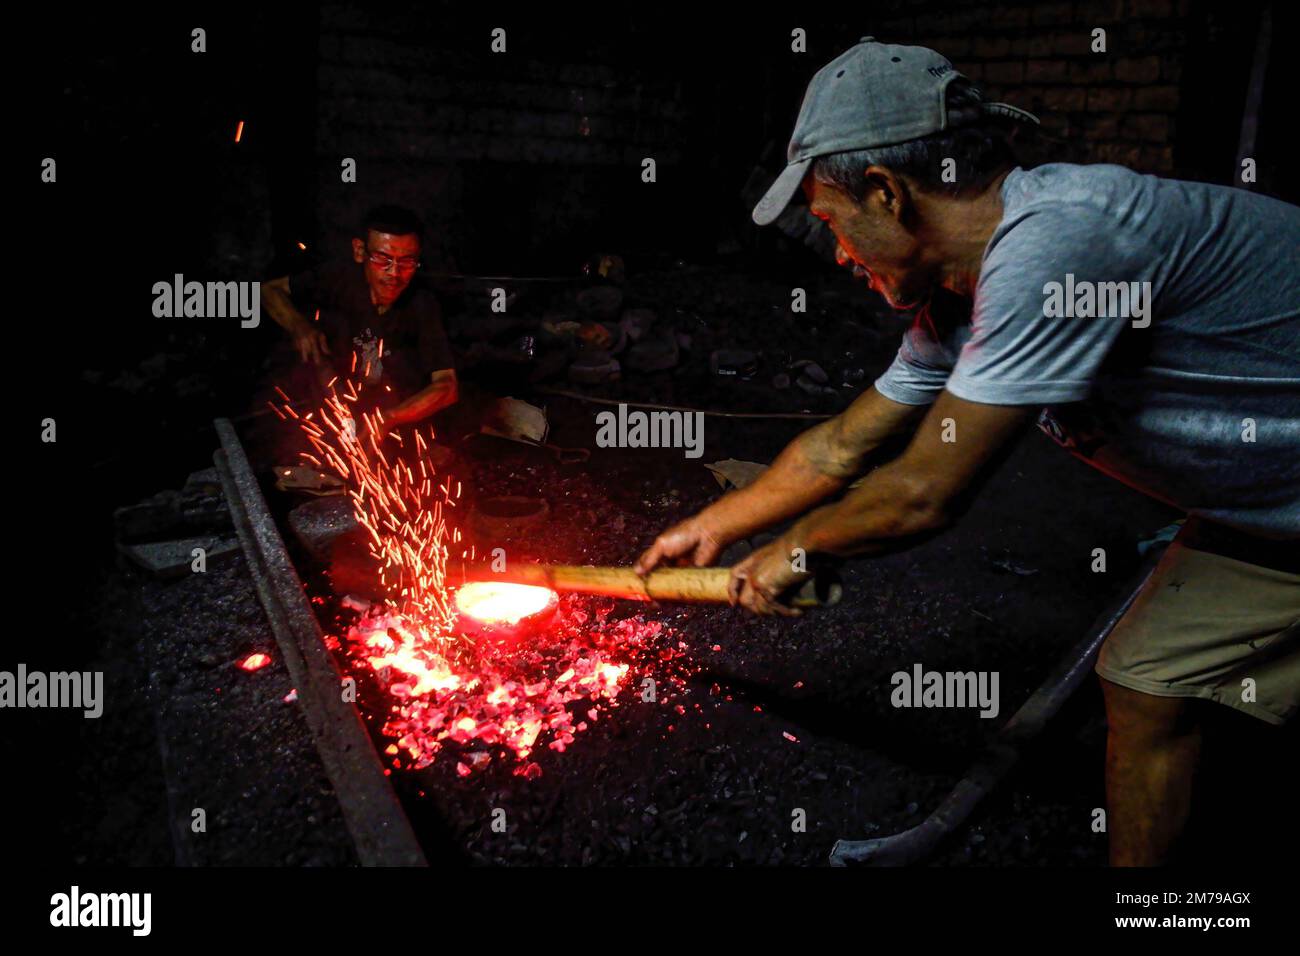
503,611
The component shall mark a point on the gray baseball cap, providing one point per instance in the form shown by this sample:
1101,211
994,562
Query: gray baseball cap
874,94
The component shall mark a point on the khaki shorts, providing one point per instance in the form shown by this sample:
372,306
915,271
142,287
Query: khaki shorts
1212,626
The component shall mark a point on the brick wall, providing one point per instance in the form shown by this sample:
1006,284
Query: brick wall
529,161
1120,106
506,156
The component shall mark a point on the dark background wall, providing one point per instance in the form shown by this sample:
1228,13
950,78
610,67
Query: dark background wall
525,163
528,160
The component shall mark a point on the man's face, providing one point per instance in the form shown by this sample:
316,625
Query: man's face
390,263
872,239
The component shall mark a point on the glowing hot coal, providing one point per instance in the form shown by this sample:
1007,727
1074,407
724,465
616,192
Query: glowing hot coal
496,602
449,685
254,662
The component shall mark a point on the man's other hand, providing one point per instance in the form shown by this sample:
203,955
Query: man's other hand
311,346
693,540
758,583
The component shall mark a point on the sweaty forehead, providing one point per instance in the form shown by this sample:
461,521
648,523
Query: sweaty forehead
393,245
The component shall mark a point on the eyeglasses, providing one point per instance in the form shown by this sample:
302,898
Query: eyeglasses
385,263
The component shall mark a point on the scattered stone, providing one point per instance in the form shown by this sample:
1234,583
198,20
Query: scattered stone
596,335
808,385
594,368
312,481
654,355
811,370
550,364
204,482
174,559
514,418
618,338
607,266
637,322
735,473
198,510
318,523
153,516
352,568
566,329
736,363
601,302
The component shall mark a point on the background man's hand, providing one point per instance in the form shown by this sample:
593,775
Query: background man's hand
693,540
758,582
312,346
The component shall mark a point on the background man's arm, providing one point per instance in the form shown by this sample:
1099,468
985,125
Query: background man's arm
441,392
819,463
307,338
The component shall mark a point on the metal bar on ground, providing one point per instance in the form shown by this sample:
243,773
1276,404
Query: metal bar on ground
918,843
374,816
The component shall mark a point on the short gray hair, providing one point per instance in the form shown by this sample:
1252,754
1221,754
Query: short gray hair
977,142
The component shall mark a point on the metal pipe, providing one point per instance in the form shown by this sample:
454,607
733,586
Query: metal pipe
916,844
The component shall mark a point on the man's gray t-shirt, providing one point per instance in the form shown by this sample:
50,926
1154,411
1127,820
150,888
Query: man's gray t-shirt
1201,407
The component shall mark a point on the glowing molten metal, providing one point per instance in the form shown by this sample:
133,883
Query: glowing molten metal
495,602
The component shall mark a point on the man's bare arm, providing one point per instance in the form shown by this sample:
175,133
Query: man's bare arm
819,463
308,339
444,390
916,492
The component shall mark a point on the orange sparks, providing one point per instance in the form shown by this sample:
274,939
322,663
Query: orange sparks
239,131
401,512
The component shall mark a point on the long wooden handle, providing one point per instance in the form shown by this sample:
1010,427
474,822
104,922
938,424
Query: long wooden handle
705,585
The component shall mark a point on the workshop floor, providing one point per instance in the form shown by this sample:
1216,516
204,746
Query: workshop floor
1009,589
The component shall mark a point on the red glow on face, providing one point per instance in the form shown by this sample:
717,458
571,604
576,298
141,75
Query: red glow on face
254,662
496,602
